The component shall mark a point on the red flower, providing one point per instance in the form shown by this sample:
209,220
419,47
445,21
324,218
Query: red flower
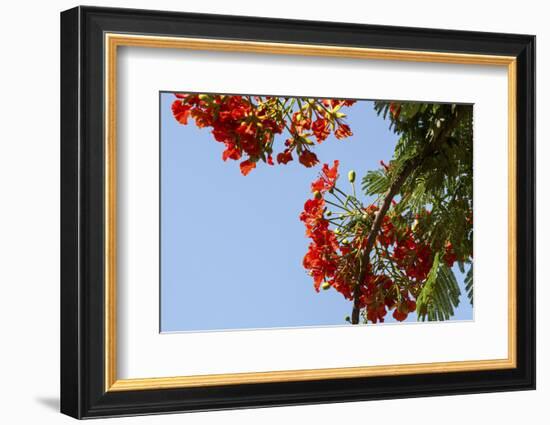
246,129
223,134
251,146
387,234
450,256
224,117
327,178
247,166
321,129
343,132
238,113
231,152
312,213
300,122
284,157
272,126
377,314
203,118
398,315
395,110
308,159
180,111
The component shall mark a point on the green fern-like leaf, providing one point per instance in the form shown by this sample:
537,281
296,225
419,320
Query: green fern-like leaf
440,294
469,283
375,183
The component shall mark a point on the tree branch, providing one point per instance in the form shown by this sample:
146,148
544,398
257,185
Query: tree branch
412,165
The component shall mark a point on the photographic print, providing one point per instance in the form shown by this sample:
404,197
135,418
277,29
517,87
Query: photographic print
302,217
280,211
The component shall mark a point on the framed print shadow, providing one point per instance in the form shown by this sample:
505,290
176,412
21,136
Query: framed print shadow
261,212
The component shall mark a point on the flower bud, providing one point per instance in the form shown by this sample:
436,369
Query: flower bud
325,285
328,213
351,176
317,194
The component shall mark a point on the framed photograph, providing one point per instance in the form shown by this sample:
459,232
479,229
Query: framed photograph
261,212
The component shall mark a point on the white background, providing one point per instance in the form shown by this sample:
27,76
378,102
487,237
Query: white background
144,352
29,232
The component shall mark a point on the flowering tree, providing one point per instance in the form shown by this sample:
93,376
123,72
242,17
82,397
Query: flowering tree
393,253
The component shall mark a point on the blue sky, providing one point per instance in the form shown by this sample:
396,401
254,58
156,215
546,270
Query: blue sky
232,246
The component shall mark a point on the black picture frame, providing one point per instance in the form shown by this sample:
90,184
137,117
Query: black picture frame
83,392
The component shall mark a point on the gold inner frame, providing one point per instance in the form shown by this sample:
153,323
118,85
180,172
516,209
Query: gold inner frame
113,41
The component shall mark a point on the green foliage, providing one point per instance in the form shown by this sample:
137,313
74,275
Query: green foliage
469,283
443,181
375,182
439,295
436,197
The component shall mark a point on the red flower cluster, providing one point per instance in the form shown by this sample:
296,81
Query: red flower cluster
414,257
247,125
380,294
236,122
408,252
324,252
